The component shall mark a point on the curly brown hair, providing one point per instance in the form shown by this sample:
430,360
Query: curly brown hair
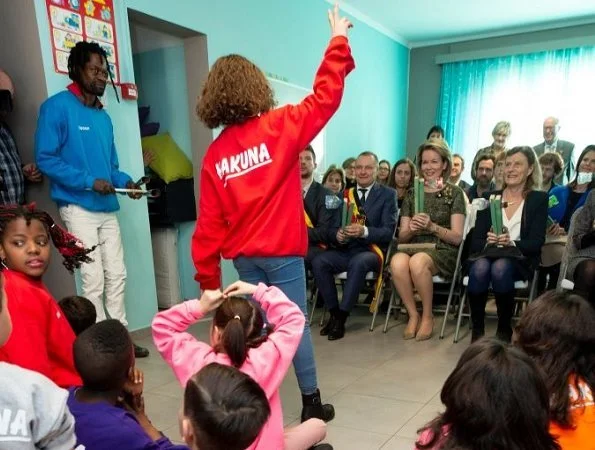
235,90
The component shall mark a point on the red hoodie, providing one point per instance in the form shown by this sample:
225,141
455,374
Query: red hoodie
250,190
41,338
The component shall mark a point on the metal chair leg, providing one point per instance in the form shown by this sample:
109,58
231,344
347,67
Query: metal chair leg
390,308
314,300
460,316
448,303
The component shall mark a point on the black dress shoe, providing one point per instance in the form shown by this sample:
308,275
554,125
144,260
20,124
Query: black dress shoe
337,331
140,352
322,447
330,323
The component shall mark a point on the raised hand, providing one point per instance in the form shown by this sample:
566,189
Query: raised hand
339,25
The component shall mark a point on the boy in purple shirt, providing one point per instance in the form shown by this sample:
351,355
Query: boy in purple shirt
107,416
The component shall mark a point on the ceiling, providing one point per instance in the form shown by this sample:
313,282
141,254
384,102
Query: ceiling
418,23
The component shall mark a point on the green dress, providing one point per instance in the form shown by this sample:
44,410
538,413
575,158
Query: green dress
440,206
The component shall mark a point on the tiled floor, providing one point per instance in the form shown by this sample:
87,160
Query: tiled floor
383,388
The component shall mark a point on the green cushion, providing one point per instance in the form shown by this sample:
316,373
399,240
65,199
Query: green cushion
170,163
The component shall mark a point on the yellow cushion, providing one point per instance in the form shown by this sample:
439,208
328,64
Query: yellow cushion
170,163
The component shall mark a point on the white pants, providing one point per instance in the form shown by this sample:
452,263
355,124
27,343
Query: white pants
103,279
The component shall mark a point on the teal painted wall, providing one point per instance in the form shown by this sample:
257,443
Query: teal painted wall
161,79
284,38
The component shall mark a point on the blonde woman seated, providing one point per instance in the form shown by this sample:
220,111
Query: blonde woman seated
441,224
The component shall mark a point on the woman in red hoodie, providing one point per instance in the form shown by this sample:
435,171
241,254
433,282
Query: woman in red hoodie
42,338
251,207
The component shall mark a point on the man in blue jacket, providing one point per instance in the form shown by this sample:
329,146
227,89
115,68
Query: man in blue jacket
74,148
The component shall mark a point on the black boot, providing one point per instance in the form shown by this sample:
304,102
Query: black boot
314,409
505,305
338,329
477,304
322,447
330,322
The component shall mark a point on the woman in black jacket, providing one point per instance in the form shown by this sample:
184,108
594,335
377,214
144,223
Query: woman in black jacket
499,261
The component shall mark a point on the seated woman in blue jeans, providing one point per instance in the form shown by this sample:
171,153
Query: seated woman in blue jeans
499,261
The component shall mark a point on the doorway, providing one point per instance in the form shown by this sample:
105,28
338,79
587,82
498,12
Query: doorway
170,65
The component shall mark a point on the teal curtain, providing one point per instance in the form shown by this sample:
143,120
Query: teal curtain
522,89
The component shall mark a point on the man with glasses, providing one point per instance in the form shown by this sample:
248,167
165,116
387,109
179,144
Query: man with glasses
74,148
361,244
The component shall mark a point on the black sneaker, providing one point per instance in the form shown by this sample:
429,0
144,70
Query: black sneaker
140,352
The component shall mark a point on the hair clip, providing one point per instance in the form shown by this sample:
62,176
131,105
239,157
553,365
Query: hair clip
237,317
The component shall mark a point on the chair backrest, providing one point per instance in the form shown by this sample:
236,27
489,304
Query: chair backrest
570,248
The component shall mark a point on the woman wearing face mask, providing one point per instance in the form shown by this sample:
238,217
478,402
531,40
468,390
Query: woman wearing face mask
500,260
563,202
441,223
500,133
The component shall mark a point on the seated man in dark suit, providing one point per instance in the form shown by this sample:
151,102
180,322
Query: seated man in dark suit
321,208
360,244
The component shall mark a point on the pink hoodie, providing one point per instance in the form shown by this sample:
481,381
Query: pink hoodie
266,364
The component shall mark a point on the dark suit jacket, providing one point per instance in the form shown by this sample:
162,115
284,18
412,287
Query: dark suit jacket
565,149
323,218
380,210
533,226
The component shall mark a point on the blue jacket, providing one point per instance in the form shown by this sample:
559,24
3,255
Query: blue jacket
74,146
558,200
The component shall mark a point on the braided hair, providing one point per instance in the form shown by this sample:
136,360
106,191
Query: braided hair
70,247
80,55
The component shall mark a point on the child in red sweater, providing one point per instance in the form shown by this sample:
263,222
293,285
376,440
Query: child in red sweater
251,206
42,338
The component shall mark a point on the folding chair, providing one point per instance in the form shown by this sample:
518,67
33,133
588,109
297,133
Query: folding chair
441,285
564,283
518,285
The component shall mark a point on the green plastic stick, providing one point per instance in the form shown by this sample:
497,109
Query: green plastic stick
422,195
350,215
344,214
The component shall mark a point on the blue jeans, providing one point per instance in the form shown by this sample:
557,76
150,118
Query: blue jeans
289,275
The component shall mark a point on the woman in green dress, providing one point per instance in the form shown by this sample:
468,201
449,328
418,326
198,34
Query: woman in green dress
442,224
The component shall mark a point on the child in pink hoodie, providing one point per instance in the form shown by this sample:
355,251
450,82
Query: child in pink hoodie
237,339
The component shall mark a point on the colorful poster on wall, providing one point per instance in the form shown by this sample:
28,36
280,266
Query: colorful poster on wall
72,21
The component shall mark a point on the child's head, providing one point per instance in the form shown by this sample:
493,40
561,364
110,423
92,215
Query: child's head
103,356
557,330
238,325
494,398
223,408
25,234
79,312
235,91
5,322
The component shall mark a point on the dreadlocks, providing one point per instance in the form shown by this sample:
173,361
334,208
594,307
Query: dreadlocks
72,249
80,55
